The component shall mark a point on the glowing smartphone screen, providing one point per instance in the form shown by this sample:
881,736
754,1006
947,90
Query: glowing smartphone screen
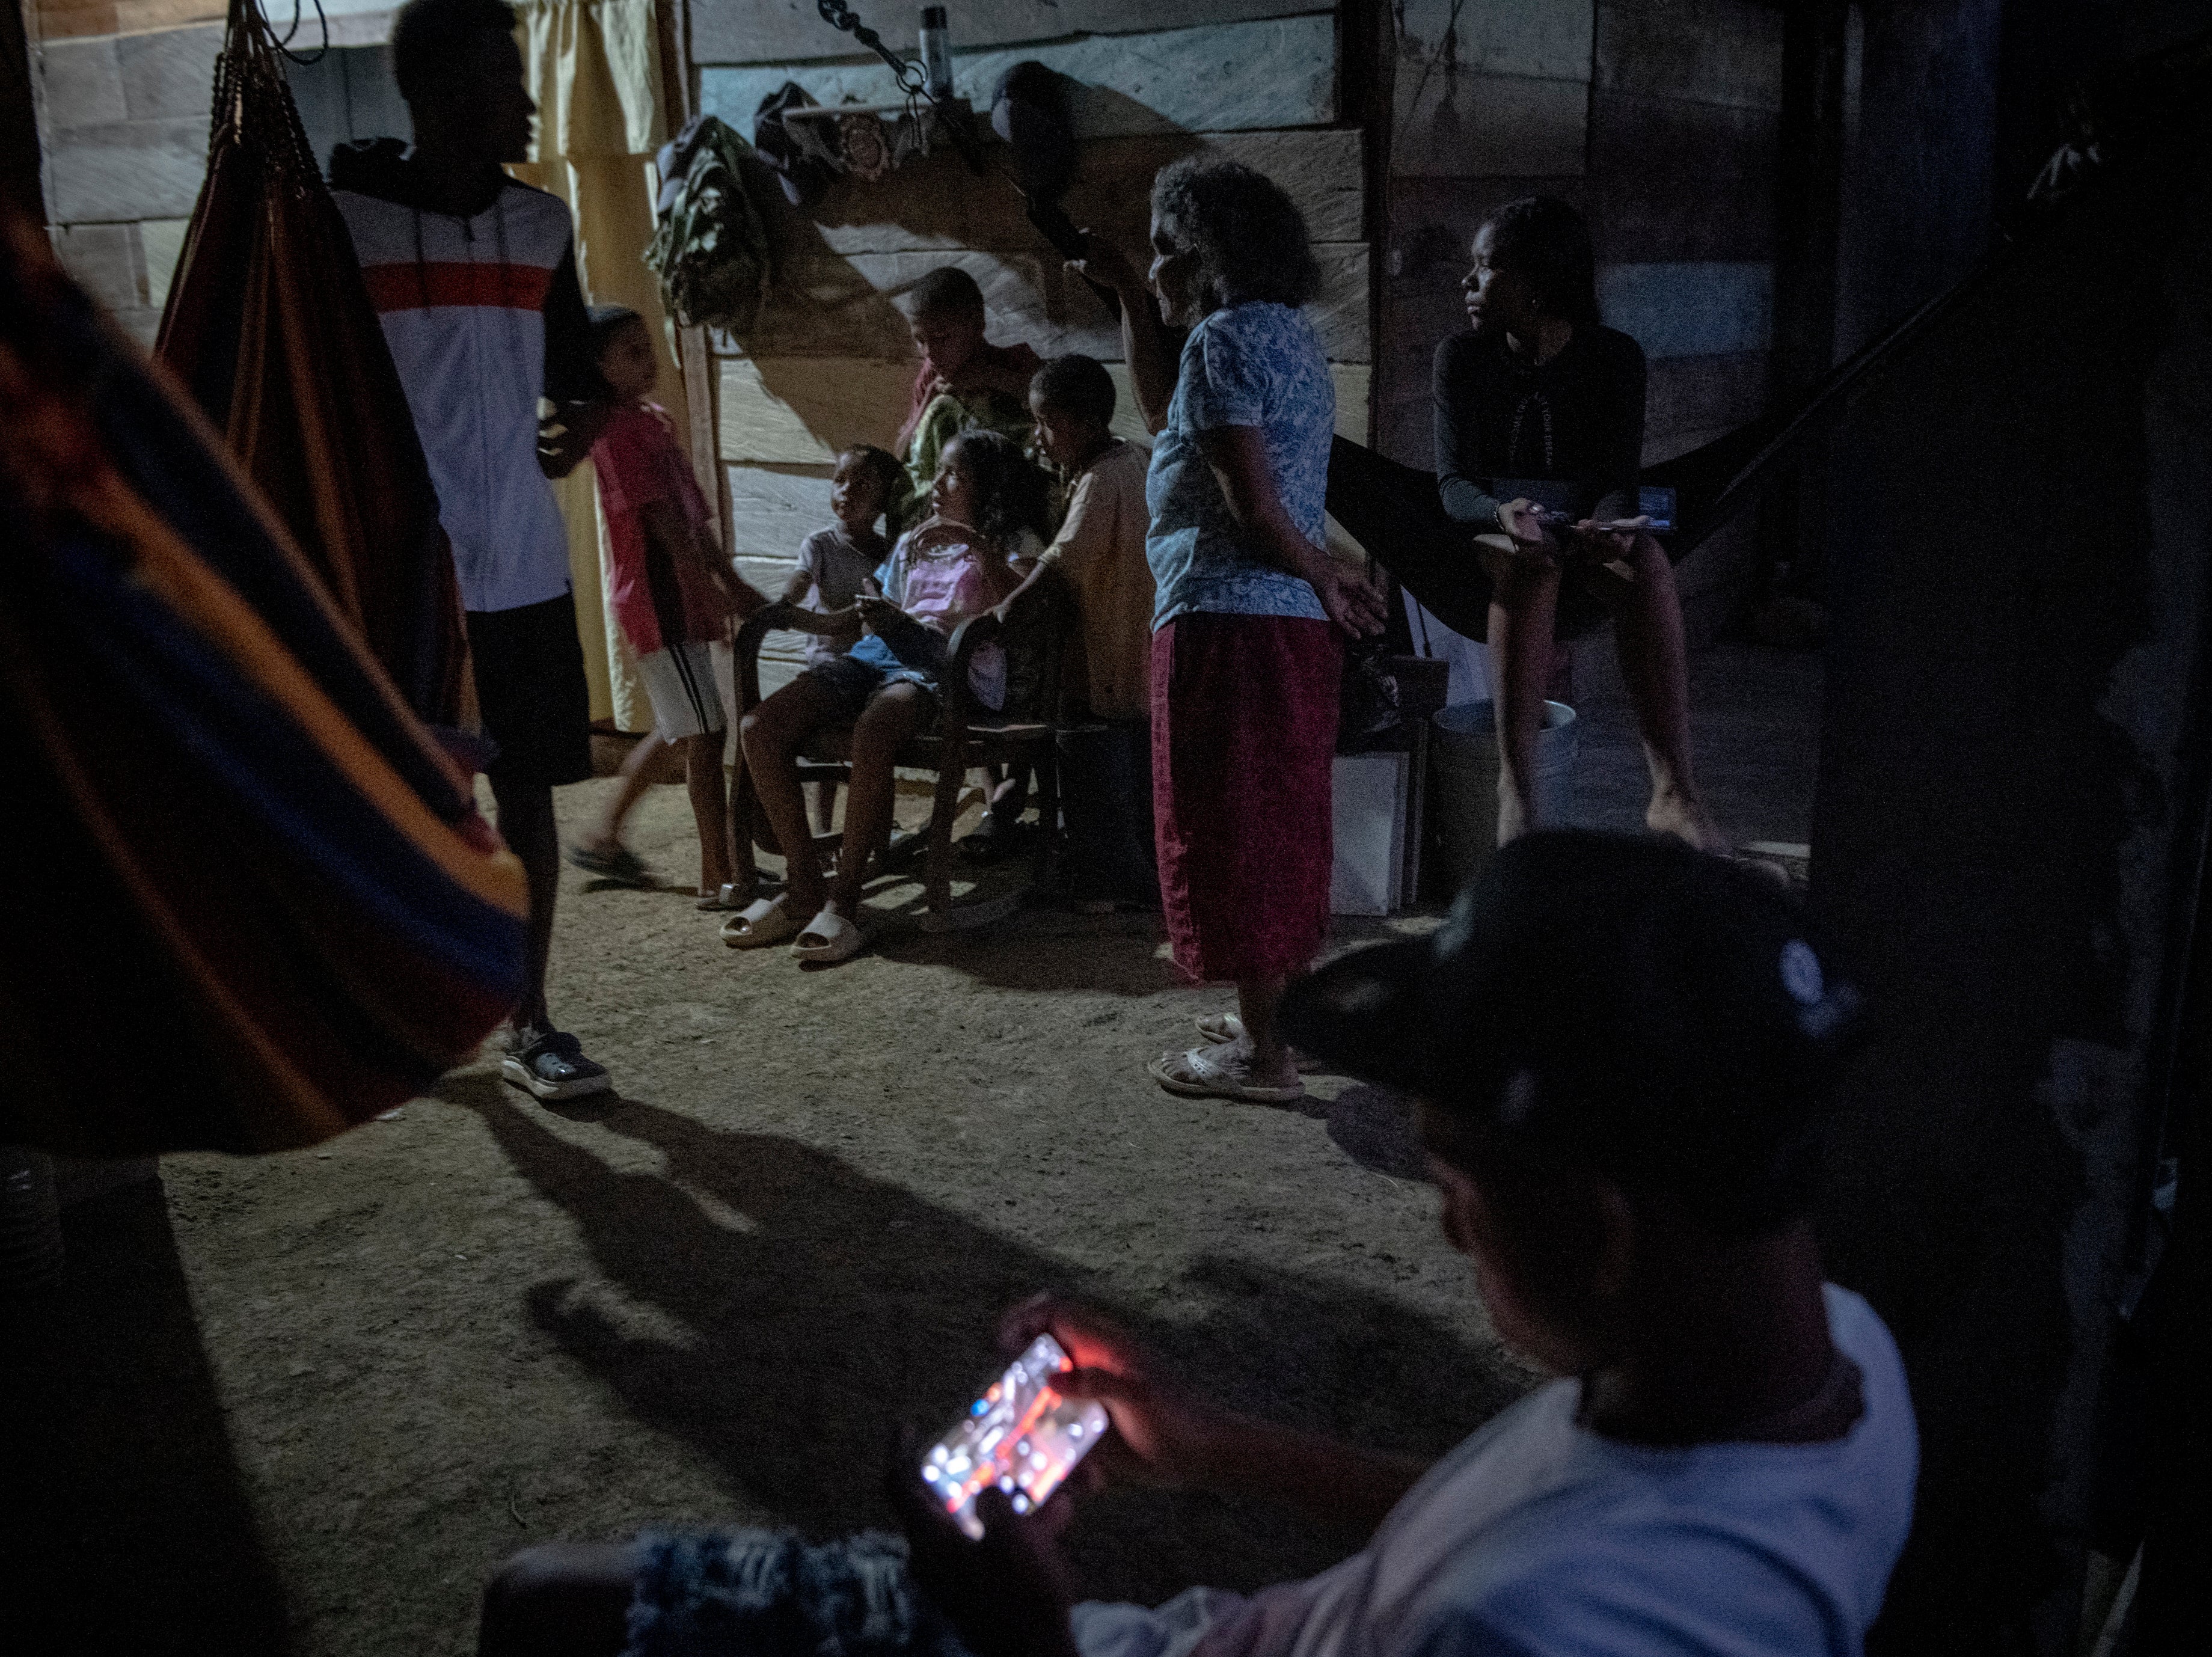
1021,1435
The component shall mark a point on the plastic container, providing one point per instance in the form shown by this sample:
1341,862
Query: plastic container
1462,786
936,52
30,1223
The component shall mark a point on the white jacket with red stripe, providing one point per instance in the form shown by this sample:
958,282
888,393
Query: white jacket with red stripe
484,315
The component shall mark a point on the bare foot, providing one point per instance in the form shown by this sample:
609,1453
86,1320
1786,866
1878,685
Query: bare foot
1512,815
1686,818
1242,1055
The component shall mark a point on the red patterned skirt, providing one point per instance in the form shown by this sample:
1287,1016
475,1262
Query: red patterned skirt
1244,741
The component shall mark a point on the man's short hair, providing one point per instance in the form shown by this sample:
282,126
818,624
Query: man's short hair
1079,385
947,291
430,37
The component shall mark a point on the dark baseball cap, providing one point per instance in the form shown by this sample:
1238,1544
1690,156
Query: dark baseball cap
1665,1014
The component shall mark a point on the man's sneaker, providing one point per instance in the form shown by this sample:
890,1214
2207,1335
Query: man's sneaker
553,1067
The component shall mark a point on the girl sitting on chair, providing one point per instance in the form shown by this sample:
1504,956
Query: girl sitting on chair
1540,399
988,499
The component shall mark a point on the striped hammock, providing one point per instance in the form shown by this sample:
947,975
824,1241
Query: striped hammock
253,901
269,325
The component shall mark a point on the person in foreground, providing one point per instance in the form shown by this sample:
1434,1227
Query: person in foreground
1621,1051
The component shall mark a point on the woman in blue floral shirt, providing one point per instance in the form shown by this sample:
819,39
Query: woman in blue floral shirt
1246,643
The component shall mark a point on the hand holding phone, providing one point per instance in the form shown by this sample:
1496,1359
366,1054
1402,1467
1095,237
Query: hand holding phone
1021,1435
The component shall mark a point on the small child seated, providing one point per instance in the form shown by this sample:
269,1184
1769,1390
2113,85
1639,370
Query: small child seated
672,596
1106,757
988,499
835,563
964,383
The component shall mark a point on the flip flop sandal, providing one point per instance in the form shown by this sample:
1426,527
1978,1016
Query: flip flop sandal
839,939
759,924
1198,1074
622,866
994,840
553,1067
1219,1028
906,845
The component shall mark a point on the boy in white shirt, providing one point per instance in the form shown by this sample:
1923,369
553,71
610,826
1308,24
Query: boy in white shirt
1622,1049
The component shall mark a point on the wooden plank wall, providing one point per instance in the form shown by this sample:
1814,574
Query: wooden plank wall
122,89
1658,118
124,126
830,362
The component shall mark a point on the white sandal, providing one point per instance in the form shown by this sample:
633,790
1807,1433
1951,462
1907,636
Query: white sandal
1205,1073
839,939
759,924
1221,1027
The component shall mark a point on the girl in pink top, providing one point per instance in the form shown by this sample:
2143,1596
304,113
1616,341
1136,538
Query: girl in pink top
986,499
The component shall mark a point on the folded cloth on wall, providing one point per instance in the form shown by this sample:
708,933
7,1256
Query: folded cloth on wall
255,901
269,324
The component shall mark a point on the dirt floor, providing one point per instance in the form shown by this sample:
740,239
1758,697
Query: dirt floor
369,1372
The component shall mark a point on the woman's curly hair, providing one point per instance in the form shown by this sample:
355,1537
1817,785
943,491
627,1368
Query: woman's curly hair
1249,238
1010,493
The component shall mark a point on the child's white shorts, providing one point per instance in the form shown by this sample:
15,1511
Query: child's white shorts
679,683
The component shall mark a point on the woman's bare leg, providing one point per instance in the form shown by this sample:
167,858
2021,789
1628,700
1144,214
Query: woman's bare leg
635,766
1270,1059
770,736
1647,634
892,715
561,1600
710,808
1523,614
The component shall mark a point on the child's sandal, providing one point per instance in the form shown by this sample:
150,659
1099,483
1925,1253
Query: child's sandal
836,939
759,924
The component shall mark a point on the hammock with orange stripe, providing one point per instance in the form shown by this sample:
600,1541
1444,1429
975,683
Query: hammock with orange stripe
270,326
253,900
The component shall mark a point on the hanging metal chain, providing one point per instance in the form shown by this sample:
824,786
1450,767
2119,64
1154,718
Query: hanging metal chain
906,70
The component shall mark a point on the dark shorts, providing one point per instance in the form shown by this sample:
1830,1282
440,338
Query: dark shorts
537,707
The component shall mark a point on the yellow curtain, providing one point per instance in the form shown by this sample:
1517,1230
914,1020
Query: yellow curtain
594,68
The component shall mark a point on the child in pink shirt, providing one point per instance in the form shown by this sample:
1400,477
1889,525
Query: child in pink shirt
988,499
672,597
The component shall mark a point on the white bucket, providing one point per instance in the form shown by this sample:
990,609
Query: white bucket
1462,784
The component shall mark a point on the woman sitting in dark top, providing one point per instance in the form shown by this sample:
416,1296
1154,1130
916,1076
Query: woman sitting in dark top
1539,409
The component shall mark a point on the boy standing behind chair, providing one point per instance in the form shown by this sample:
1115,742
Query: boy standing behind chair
964,383
473,276
1106,757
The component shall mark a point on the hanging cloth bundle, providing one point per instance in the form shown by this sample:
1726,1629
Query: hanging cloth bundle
255,901
270,326
710,249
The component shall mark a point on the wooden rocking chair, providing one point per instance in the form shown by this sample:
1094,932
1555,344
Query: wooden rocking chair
1026,731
